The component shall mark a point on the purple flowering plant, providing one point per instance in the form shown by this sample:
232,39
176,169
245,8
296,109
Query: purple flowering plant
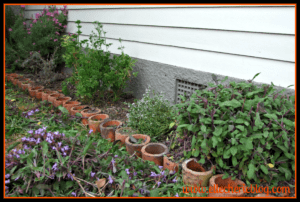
24,38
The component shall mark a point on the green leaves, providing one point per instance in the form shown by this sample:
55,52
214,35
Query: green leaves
218,131
251,170
232,103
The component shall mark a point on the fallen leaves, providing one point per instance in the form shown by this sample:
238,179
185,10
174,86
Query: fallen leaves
100,183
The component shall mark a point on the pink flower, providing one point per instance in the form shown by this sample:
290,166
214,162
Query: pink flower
41,21
57,33
30,53
22,6
28,29
24,23
30,25
10,29
65,26
28,32
59,24
48,14
34,21
65,6
39,51
33,44
55,40
51,38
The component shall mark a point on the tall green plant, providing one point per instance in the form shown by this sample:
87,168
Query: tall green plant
248,132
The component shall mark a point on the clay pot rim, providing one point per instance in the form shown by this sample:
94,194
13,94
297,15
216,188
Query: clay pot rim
78,106
54,94
143,150
184,167
62,98
98,111
129,143
97,121
109,120
72,101
213,178
39,88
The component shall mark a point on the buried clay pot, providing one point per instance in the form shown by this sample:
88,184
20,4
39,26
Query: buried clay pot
60,101
194,174
25,85
131,147
86,113
21,81
234,187
54,96
38,94
172,166
69,104
46,93
33,90
154,152
77,109
122,133
95,121
108,127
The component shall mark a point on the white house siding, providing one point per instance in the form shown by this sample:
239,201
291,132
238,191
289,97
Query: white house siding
234,41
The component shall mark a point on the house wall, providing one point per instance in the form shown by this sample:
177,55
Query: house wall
192,42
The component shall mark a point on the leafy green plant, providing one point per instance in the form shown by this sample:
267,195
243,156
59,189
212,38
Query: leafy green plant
247,131
96,71
150,115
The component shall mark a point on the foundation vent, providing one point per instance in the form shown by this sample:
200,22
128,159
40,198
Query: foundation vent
186,88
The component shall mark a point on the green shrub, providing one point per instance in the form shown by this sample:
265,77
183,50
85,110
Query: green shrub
95,71
150,115
248,132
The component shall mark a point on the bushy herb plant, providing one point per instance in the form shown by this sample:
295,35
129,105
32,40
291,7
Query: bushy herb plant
247,131
95,70
151,115
41,35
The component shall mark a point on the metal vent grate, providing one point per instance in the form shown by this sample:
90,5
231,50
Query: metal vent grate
185,87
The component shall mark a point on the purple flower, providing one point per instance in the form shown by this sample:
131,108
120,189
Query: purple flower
116,156
113,161
127,171
134,173
36,110
176,195
66,147
73,194
90,131
7,181
110,180
7,176
22,6
174,180
54,167
153,174
30,132
158,183
92,174
160,167
54,148
59,144
17,178
10,29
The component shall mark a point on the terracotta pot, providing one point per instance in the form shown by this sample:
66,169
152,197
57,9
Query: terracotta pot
220,185
15,80
25,85
20,81
69,104
46,93
107,131
38,94
95,121
60,101
13,76
77,109
33,90
121,135
194,174
154,152
54,96
86,115
131,148
170,165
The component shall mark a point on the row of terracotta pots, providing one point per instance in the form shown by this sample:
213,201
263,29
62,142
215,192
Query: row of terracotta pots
193,173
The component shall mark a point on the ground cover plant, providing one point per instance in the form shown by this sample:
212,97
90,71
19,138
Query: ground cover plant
246,131
56,157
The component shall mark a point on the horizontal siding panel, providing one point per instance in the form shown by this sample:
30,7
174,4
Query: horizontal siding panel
252,19
280,73
278,47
